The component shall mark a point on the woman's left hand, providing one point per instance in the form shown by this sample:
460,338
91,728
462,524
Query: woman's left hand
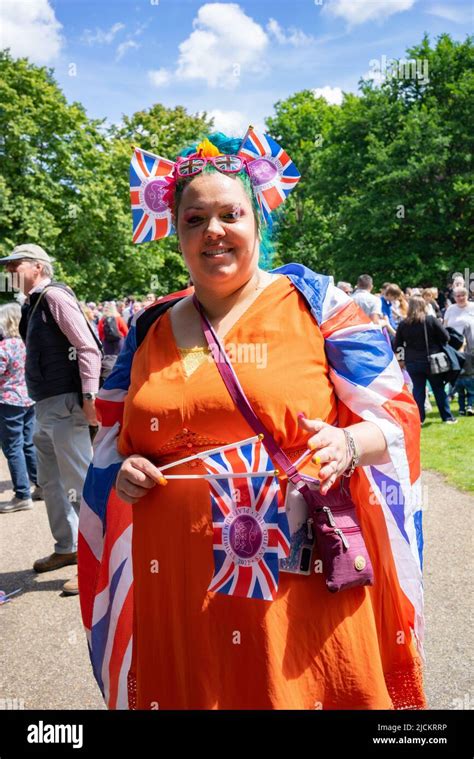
330,448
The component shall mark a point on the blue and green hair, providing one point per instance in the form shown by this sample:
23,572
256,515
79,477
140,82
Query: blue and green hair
218,141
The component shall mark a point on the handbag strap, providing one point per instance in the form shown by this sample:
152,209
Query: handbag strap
426,338
43,291
237,394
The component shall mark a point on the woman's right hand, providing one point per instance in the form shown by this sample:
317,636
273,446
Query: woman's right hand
136,477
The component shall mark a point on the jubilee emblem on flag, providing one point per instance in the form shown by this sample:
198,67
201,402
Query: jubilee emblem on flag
250,526
272,172
150,180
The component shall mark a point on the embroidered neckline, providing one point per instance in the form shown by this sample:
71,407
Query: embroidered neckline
198,349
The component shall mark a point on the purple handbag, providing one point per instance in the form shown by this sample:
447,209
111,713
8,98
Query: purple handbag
341,546
339,540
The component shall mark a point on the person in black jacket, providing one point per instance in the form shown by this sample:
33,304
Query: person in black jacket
62,372
412,351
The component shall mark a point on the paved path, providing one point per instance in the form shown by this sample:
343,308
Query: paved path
43,654
44,660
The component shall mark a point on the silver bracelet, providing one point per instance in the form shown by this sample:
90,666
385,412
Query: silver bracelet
355,458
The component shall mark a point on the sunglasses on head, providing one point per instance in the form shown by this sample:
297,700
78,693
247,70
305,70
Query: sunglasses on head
194,164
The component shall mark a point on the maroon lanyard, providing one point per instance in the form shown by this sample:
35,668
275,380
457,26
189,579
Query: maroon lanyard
237,394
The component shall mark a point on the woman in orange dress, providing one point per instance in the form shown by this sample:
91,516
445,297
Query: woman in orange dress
198,649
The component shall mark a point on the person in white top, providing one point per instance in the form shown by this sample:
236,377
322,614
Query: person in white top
369,303
460,314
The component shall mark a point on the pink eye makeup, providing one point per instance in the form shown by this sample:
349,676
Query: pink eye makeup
235,213
192,219
232,213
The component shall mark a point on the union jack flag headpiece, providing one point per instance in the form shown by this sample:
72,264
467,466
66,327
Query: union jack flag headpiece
153,181
272,172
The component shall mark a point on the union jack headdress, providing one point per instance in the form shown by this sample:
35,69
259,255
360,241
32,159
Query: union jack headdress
153,181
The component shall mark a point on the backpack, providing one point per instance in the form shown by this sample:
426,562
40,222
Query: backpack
111,330
150,315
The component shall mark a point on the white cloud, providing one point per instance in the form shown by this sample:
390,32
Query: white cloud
124,46
159,77
232,123
333,95
140,29
274,28
360,11
30,29
451,13
225,43
101,36
293,36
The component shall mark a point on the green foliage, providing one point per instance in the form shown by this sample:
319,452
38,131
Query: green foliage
301,125
386,188
390,190
64,184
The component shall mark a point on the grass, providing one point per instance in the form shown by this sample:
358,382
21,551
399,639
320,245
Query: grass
448,448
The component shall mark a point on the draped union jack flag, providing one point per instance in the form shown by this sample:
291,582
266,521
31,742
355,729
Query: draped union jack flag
150,180
249,521
272,172
369,386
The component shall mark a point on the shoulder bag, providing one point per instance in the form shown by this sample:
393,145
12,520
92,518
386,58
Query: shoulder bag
439,362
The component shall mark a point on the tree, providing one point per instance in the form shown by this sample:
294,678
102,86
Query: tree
390,189
302,124
50,154
406,212
64,184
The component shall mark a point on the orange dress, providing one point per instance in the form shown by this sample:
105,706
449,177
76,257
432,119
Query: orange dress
194,649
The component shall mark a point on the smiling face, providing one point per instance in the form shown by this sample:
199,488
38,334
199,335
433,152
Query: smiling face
460,295
218,232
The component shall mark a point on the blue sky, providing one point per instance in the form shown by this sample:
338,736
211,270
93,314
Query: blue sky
234,60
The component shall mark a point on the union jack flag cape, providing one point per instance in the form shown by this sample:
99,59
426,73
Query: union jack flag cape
369,386
250,525
272,172
150,181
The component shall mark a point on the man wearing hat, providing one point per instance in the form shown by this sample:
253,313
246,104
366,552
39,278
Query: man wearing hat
62,372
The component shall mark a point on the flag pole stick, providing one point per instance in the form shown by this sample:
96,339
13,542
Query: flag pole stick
223,476
142,150
250,129
303,456
205,454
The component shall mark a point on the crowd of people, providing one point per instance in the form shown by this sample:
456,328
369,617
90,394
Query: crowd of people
422,322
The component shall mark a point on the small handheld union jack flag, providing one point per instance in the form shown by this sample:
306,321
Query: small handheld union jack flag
251,529
150,180
272,172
